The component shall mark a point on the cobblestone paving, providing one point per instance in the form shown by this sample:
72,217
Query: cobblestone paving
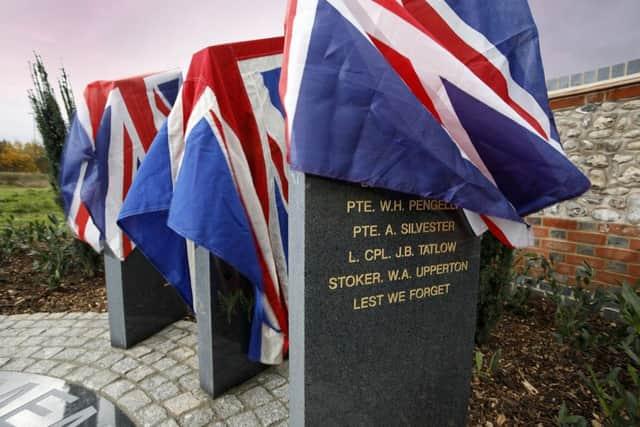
155,383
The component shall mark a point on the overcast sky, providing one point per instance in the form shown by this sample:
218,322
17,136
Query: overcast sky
109,40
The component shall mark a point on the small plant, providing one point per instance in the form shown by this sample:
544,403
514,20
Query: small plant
53,251
618,392
8,239
564,419
573,314
518,297
618,399
492,365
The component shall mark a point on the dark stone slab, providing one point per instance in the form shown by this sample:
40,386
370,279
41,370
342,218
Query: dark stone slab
223,311
356,357
28,400
139,299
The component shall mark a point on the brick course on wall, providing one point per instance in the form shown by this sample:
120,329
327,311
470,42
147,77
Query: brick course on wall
600,132
612,250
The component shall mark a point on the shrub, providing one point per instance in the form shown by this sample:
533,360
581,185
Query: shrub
54,251
573,314
495,275
618,392
519,293
575,307
49,117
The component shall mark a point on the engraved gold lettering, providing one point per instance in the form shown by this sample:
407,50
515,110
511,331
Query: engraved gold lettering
370,230
360,206
427,227
397,275
391,205
364,303
436,248
353,280
389,231
396,297
404,252
419,205
375,254
443,268
428,291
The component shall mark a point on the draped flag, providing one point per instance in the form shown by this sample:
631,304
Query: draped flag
220,176
443,99
109,137
145,211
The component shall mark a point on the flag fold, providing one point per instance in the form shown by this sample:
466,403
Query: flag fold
110,135
442,99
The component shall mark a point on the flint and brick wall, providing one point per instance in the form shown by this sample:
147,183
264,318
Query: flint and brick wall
599,128
612,250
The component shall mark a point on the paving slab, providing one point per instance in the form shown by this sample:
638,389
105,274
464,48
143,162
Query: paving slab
155,383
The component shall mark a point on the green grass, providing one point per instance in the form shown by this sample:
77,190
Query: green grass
27,204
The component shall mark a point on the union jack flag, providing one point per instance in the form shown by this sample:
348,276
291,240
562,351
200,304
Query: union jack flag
217,175
443,99
109,137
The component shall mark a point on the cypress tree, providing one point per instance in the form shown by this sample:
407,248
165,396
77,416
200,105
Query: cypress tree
49,117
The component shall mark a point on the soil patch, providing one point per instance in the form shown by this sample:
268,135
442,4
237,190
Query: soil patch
537,374
22,290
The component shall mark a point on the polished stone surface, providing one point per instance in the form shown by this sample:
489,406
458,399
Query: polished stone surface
140,300
224,309
368,349
155,383
28,400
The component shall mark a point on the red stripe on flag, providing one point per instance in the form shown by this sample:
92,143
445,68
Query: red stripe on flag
268,286
423,17
276,156
127,178
96,95
162,106
126,245
217,67
134,93
405,69
82,218
496,231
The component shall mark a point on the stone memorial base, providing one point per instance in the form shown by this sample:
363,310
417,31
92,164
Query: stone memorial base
223,312
139,299
382,298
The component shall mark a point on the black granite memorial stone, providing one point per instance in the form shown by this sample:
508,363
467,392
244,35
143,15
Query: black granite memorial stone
382,301
28,400
139,300
224,307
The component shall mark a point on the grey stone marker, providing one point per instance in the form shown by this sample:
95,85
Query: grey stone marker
382,301
223,310
139,299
